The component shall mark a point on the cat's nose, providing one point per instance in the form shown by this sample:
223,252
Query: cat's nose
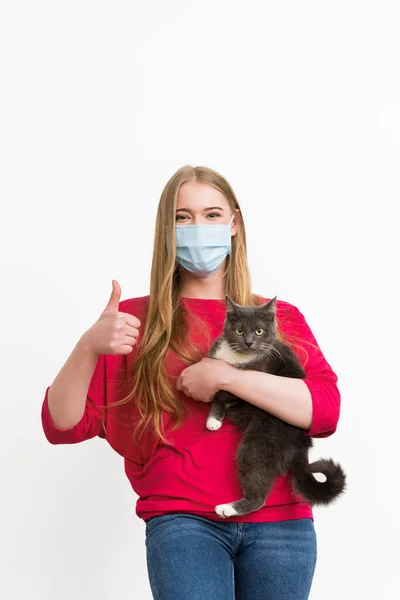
249,344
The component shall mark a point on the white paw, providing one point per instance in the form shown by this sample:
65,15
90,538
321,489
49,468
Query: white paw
225,510
213,424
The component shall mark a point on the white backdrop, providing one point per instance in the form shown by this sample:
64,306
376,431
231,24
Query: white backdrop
297,104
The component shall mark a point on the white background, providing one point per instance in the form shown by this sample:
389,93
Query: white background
297,104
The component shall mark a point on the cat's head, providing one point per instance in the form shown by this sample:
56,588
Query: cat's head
250,328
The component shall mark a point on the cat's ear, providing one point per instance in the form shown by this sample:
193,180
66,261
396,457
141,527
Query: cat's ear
230,305
270,306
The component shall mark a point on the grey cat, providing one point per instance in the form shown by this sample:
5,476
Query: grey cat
269,446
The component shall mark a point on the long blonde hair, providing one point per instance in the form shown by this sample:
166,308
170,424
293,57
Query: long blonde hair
165,326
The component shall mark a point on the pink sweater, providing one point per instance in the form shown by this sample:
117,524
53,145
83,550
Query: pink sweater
199,471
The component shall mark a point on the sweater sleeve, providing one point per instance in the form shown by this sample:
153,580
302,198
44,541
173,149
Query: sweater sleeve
90,424
320,380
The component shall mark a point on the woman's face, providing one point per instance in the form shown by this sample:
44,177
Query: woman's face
199,203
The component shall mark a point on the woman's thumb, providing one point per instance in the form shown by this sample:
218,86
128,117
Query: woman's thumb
113,303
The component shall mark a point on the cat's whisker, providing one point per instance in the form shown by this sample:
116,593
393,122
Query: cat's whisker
271,351
272,356
236,347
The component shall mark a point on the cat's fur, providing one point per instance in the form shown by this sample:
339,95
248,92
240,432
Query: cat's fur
269,447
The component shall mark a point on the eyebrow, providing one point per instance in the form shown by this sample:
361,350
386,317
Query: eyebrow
206,209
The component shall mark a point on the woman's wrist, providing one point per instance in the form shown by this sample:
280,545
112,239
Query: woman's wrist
229,377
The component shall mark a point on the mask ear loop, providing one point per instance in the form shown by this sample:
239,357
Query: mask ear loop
229,224
166,241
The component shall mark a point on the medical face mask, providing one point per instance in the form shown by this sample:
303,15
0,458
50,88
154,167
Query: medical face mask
201,249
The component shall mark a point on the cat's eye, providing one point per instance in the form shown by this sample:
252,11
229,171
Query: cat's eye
239,331
259,331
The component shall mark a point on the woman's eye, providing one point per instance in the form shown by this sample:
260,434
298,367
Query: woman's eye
259,331
211,217
239,331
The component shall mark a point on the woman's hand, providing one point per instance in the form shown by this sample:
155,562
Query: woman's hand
204,379
114,332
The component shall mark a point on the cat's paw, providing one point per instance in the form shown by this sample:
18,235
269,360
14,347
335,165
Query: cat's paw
213,424
225,510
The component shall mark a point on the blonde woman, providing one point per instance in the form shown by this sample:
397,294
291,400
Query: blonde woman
141,379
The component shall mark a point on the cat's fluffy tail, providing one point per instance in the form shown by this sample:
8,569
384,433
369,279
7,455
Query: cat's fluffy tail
312,490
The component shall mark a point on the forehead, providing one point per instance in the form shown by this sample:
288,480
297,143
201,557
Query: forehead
250,314
197,196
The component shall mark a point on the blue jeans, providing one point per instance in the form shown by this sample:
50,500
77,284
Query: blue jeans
193,558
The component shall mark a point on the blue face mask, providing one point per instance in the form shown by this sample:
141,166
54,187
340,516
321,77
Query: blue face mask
201,249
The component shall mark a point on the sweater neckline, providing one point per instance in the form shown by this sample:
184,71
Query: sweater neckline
191,299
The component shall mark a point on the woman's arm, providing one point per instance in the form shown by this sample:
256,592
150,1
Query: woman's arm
312,403
68,416
287,398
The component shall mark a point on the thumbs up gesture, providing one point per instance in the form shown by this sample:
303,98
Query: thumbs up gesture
114,332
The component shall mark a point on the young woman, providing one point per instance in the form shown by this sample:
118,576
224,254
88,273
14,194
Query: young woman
141,379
